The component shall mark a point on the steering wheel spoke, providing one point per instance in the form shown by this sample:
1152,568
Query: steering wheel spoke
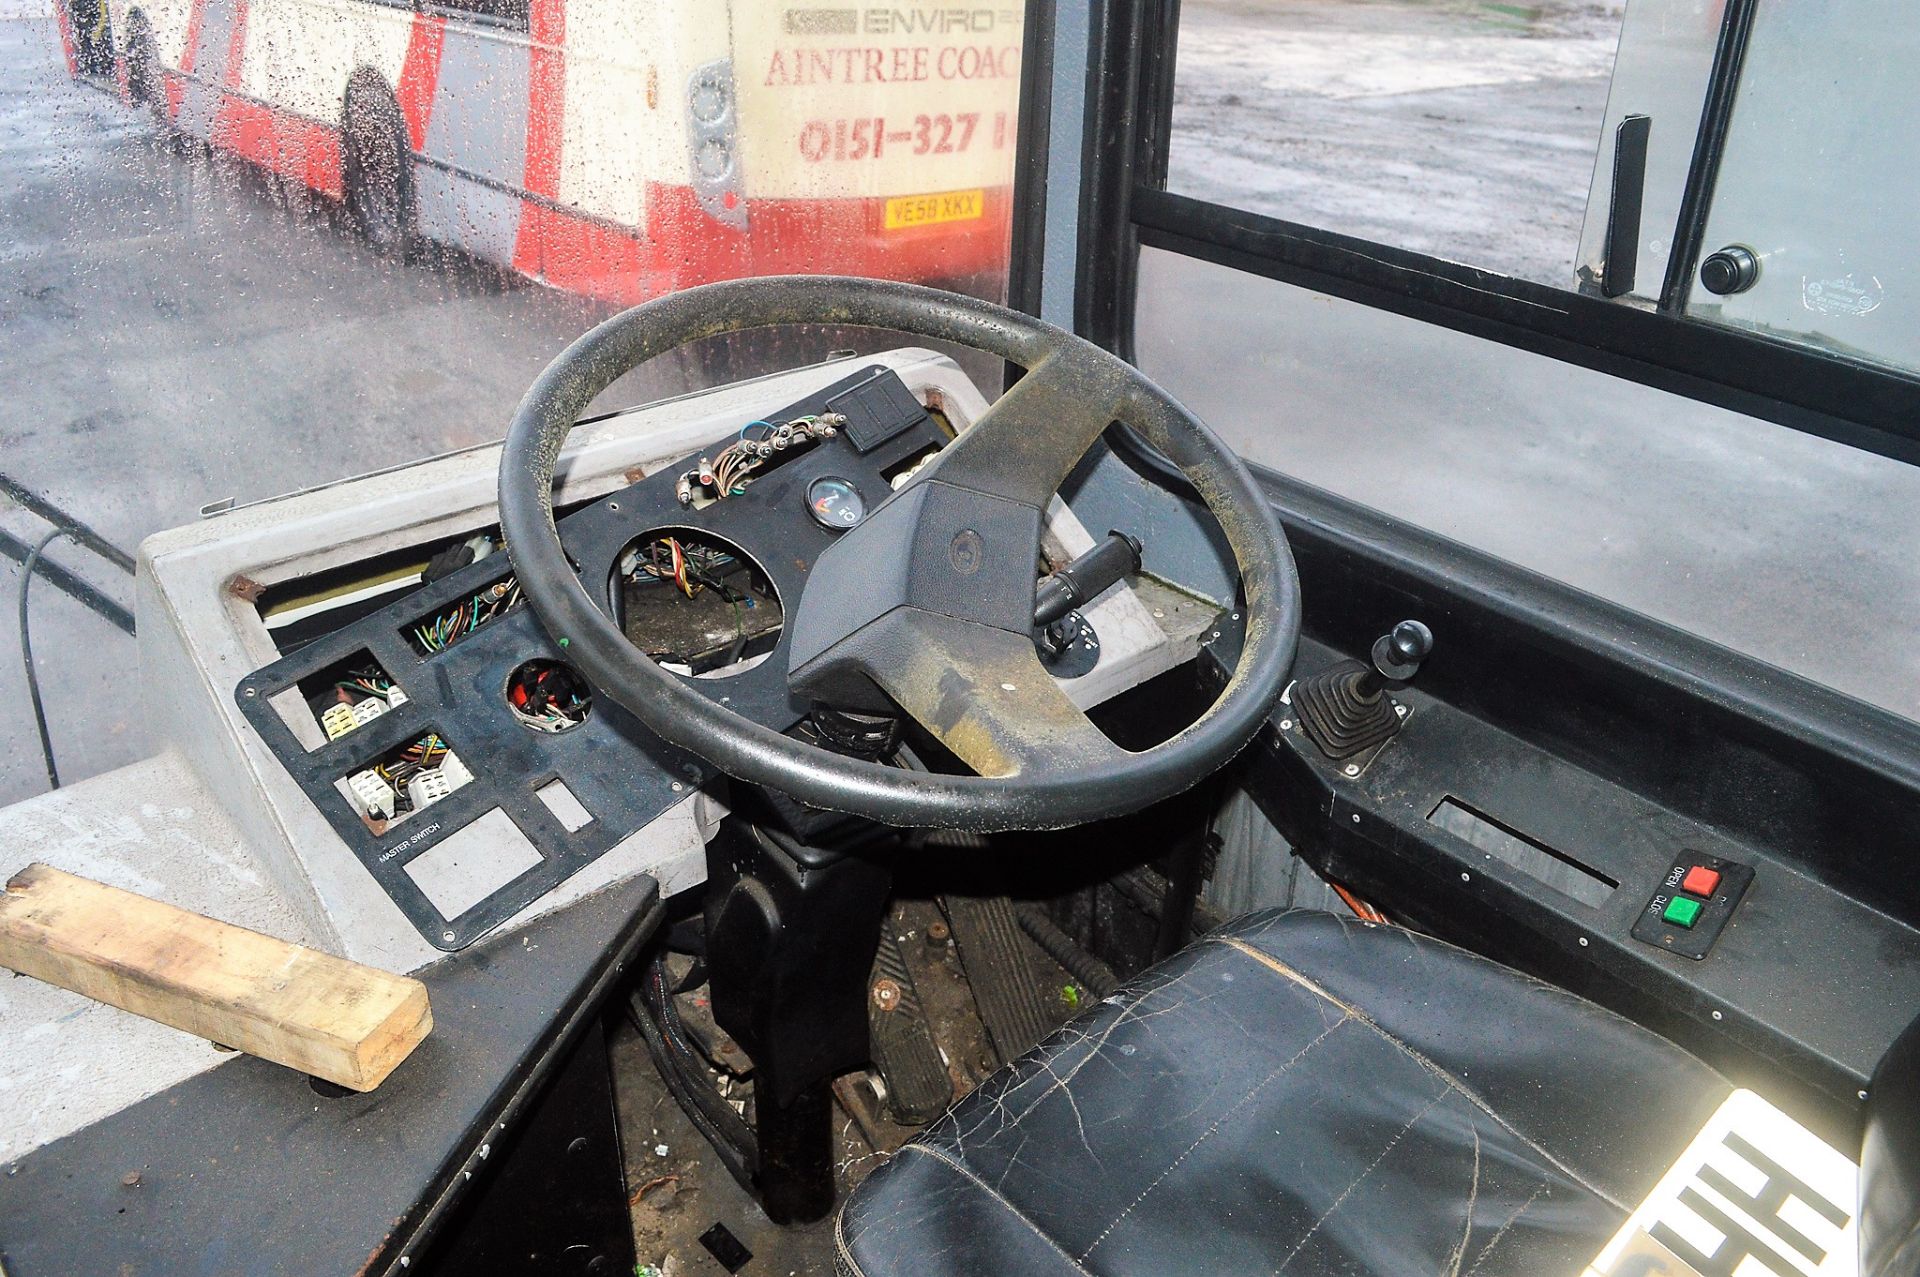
983,694
1024,446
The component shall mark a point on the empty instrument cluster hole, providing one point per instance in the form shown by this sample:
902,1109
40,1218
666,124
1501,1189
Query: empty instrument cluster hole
695,603
549,696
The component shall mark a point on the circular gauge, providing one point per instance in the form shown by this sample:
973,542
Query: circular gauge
835,503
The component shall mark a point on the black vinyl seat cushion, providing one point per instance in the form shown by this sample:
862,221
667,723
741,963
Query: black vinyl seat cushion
1300,1093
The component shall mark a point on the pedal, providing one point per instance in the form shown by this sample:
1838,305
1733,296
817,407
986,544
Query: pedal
999,962
918,1085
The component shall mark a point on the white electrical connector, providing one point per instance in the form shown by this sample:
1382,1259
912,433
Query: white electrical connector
430,786
338,721
375,796
395,697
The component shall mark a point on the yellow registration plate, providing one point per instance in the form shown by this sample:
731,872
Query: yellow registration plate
925,210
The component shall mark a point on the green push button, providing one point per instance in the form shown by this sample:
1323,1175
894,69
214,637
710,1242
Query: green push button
1682,911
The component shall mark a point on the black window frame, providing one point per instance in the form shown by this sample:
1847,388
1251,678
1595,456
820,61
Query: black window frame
1125,206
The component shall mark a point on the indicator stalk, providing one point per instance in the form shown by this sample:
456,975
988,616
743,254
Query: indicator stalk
1084,579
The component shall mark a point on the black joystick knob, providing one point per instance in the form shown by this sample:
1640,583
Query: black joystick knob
1345,709
1397,654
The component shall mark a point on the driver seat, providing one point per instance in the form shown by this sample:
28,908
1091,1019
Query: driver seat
1299,1093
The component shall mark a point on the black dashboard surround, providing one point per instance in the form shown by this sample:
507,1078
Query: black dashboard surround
1626,748
620,773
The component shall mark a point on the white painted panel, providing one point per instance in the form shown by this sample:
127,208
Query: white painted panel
300,53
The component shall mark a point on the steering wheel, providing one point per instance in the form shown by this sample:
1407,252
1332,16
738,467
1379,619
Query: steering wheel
929,600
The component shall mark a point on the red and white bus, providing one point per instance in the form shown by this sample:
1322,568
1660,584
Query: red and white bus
618,148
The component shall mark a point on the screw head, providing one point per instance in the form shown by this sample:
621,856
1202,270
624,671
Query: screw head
1583,942
1718,1016
447,936
938,932
1352,769
1286,724
1466,877
886,995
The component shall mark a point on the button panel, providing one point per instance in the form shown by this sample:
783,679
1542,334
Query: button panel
1695,902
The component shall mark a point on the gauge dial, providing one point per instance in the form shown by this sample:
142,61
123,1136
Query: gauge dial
835,503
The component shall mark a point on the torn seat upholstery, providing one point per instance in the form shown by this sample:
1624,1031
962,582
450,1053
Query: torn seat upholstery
1305,1094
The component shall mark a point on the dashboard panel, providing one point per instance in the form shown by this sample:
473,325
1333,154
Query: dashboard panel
417,728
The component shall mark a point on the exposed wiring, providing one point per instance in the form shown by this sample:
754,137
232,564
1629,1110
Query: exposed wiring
423,755
689,566
548,696
1361,909
468,615
27,570
367,681
729,471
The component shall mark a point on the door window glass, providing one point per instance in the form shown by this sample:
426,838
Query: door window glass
1464,130
1818,183
1790,548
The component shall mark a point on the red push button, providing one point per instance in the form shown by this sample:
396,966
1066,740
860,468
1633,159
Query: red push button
1700,881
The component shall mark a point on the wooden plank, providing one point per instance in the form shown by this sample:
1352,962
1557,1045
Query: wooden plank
338,1020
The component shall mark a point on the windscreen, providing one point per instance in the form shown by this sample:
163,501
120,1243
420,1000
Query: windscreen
252,246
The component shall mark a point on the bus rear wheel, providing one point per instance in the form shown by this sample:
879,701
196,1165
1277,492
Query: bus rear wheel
376,169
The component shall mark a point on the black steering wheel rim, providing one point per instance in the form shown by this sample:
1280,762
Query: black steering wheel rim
754,753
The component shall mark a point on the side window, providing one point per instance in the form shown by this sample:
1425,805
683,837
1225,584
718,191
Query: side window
1531,392
1809,234
1556,143
1463,131
1660,76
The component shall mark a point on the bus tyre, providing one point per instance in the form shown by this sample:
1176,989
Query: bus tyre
376,168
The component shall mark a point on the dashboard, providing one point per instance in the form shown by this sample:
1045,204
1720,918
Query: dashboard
429,716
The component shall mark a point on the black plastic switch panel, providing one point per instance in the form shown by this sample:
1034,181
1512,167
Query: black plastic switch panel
876,410
1682,930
